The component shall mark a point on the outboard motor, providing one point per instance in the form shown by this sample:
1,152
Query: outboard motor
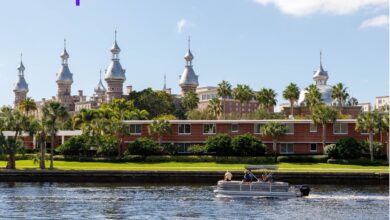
305,190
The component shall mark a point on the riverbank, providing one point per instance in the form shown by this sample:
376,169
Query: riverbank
199,166
210,177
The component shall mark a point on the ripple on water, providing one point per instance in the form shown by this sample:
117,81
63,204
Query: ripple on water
121,201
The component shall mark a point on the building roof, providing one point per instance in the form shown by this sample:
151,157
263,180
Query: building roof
64,75
21,84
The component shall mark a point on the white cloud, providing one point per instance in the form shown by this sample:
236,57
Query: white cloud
308,7
181,24
378,21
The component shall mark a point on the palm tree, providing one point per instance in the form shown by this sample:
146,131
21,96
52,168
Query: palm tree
53,112
190,101
84,119
12,120
224,91
339,94
27,105
266,98
369,122
214,107
242,93
160,128
291,93
275,130
313,97
323,115
39,129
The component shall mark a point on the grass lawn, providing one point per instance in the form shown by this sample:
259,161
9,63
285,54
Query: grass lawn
210,166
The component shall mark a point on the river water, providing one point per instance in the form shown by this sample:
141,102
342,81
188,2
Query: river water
124,201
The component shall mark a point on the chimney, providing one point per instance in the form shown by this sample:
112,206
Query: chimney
80,93
129,89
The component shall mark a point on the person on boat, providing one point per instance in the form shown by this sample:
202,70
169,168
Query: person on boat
247,176
228,176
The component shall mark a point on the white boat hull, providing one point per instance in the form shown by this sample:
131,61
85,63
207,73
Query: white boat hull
229,193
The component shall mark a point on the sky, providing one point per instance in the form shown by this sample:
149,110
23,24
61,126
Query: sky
262,43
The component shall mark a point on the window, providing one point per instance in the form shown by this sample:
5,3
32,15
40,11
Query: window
183,147
313,147
184,129
340,128
313,127
290,128
258,128
209,129
135,129
234,128
286,148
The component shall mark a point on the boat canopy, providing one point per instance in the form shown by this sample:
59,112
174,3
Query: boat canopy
261,167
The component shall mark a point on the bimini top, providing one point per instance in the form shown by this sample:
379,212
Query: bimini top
261,167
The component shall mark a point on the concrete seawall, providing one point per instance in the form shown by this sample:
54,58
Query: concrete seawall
210,177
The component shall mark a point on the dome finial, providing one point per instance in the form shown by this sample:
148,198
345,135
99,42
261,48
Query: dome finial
320,57
116,32
21,66
189,42
64,43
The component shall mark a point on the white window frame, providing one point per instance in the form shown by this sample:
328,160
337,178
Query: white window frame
234,131
184,124
135,133
339,124
291,131
255,128
214,129
311,125
280,148
311,149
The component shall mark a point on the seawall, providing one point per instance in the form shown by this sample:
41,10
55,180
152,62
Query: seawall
209,177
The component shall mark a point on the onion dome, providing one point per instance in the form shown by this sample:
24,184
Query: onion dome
100,89
320,78
21,84
64,75
189,78
115,70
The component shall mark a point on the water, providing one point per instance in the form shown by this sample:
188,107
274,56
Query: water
124,201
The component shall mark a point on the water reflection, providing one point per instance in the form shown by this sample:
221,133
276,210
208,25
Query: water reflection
124,201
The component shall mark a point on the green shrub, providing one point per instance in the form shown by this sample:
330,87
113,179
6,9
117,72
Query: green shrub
220,145
348,148
73,146
377,149
247,145
170,149
331,151
361,161
197,149
144,147
108,146
303,159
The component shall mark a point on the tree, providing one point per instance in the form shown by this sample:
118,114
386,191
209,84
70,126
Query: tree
219,144
242,93
274,130
214,107
17,122
160,128
291,93
154,102
40,130
142,146
369,122
339,94
266,98
323,115
84,120
352,101
53,113
247,145
224,91
27,105
190,101
313,97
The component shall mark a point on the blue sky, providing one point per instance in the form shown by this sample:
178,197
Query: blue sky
263,43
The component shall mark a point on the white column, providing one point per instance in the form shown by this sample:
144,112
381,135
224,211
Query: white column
62,139
34,142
